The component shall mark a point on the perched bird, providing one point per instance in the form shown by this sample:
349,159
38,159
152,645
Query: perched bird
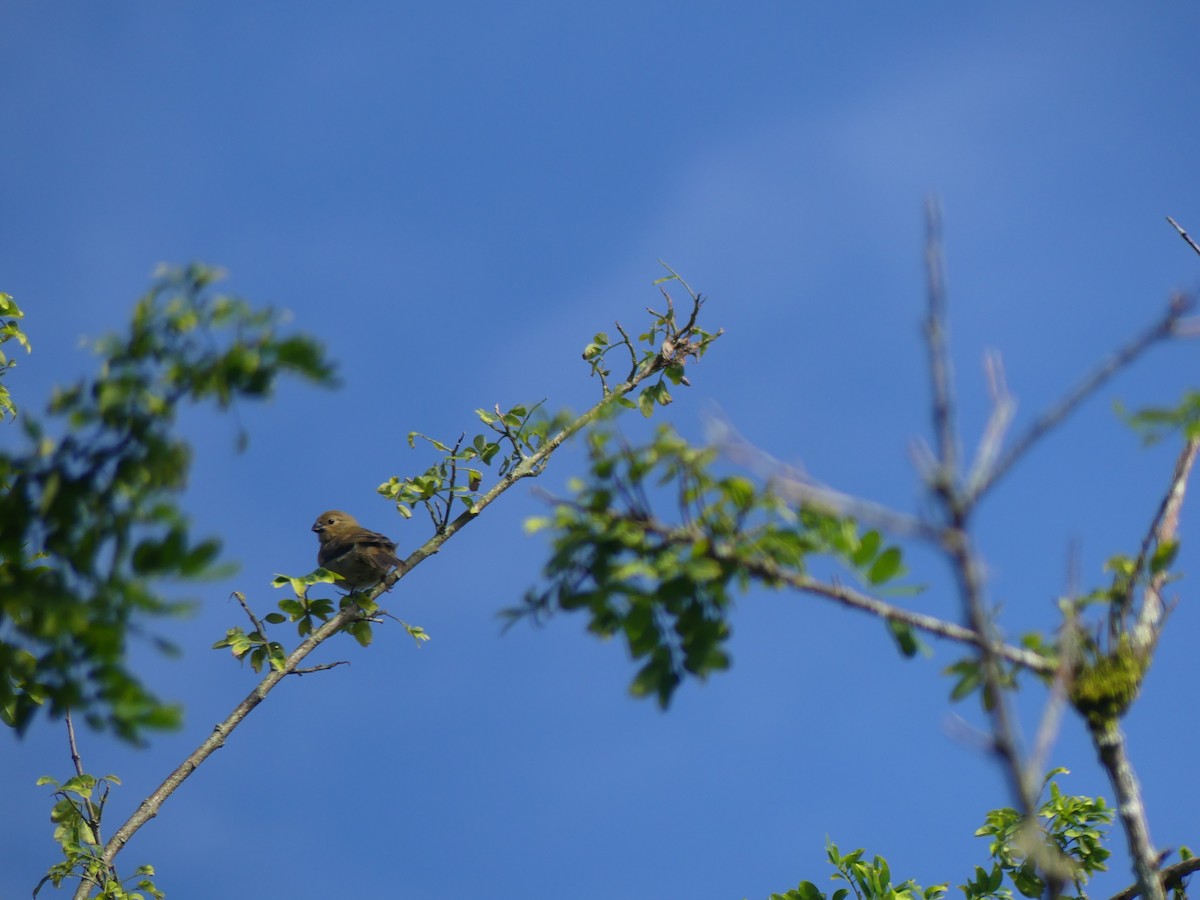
363,558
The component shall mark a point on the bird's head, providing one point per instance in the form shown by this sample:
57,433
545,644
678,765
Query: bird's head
331,521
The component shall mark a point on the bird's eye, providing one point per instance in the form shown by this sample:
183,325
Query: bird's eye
329,521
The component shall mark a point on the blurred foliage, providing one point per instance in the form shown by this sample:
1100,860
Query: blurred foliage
92,524
667,588
1154,423
10,330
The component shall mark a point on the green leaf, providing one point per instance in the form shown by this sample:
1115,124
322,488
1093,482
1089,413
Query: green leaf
867,548
1164,556
886,567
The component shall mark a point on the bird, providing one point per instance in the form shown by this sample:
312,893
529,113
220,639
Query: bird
363,558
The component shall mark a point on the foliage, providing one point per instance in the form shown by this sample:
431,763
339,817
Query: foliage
516,434
77,813
867,881
1154,423
1069,845
90,506
667,589
306,613
10,330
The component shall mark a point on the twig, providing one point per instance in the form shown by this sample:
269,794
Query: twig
75,757
1003,407
1158,331
258,626
793,485
1162,531
321,668
940,372
1183,234
93,812
1056,704
633,361
449,508
695,297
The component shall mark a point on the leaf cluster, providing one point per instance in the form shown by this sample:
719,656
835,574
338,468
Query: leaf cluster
77,812
10,330
1155,423
307,613
1067,847
91,505
514,435
667,589
867,881
666,345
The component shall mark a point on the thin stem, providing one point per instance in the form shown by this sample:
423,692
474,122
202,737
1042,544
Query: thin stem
1183,234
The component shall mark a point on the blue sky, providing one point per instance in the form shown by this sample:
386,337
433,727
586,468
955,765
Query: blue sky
455,198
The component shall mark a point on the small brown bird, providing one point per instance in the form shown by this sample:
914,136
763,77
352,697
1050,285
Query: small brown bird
363,558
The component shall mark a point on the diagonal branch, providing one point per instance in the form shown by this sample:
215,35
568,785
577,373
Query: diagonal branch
531,466
1162,329
772,572
1162,531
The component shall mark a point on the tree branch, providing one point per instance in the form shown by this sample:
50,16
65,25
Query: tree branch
529,467
771,572
1171,877
1162,531
1110,745
936,338
1160,330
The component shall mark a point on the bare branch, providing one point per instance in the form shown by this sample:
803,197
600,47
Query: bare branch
1056,704
1172,877
968,571
258,625
936,337
1003,408
633,362
796,487
1160,330
321,668
76,759
1183,234
1162,531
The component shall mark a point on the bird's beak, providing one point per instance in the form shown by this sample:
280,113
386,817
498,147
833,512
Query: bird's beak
318,528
